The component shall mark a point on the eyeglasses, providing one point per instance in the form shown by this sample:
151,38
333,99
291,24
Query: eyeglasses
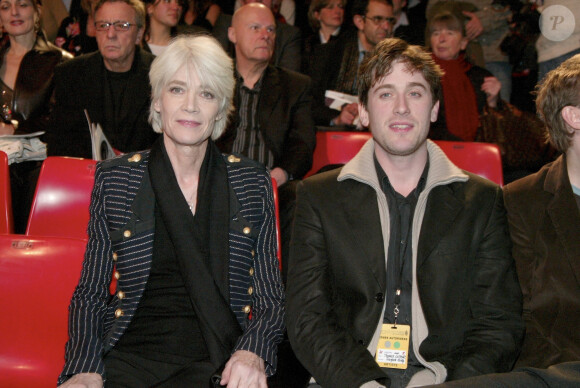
379,20
118,25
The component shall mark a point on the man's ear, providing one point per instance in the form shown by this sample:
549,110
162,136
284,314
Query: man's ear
363,115
232,35
435,111
140,33
571,115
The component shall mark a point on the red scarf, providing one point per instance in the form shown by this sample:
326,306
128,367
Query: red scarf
461,112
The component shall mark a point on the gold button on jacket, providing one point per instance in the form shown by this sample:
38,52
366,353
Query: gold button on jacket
119,313
247,309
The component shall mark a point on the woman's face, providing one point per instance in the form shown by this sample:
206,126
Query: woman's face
166,12
18,17
332,15
188,109
447,43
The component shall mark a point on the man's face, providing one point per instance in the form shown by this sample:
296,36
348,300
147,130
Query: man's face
399,112
117,47
376,25
253,32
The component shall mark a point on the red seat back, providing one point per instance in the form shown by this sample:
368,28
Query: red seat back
37,278
333,147
63,194
483,159
6,219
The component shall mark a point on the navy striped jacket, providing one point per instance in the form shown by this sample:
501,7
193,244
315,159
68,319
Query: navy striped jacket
121,233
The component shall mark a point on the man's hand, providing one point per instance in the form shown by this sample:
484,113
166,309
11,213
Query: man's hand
491,86
244,370
347,115
473,28
280,176
84,380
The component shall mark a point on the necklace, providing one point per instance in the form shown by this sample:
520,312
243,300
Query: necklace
190,204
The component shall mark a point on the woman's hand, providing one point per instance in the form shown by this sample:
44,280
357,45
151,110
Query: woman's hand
84,380
244,370
491,86
6,129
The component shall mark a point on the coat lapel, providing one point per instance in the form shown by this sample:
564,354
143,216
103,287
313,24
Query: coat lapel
269,96
443,206
564,214
361,214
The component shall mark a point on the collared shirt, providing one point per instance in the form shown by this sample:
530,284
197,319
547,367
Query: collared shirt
323,40
400,255
249,140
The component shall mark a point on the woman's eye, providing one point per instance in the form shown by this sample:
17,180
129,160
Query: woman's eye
208,95
176,90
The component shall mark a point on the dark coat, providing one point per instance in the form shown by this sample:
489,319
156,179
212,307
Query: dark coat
285,120
465,276
544,224
121,233
80,84
34,85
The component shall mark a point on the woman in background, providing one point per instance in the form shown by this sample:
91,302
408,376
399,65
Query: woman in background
77,31
326,18
200,14
27,62
161,24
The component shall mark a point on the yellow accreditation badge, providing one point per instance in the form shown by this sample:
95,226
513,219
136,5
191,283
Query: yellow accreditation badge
393,346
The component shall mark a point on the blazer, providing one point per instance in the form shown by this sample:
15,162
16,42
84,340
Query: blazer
80,84
544,224
121,231
466,302
34,85
285,120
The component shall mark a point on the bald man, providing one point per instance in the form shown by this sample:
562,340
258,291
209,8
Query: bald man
273,121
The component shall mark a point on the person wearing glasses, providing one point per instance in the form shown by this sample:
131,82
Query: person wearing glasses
335,65
109,87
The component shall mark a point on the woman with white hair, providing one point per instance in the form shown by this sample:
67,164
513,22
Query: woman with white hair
189,234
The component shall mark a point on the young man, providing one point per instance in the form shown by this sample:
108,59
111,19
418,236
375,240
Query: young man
400,248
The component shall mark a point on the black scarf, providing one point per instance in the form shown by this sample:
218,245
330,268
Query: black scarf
203,256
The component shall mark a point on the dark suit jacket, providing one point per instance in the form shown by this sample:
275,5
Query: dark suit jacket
285,120
544,224
465,276
121,231
324,69
287,46
80,84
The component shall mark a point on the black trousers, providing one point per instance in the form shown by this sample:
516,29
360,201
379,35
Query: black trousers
125,370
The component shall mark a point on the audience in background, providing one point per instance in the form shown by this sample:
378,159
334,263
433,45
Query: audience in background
111,85
467,89
77,31
335,64
27,63
488,23
404,28
161,24
326,18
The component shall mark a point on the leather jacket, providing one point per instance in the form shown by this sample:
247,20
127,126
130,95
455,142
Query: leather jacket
34,85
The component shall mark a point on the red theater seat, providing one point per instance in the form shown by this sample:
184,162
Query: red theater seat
63,194
37,278
483,159
6,219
